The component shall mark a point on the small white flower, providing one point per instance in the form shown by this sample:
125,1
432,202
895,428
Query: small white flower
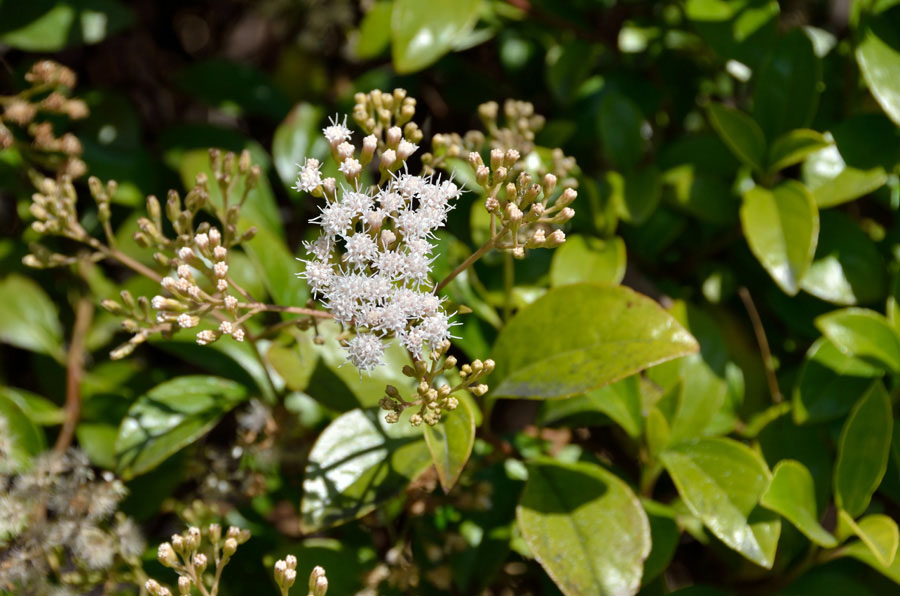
388,158
238,334
356,202
226,327
169,283
361,249
405,149
231,302
345,150
220,269
222,285
336,132
157,302
215,237
370,143
195,292
185,253
365,351
184,271
206,337
318,275
310,178
187,321
201,240
220,252
350,168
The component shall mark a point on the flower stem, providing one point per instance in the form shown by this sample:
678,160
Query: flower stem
471,260
84,312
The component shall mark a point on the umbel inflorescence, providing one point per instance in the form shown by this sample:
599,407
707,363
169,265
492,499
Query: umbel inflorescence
371,264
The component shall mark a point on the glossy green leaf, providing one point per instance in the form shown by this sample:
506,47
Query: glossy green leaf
234,87
878,56
590,335
742,135
735,29
829,384
450,442
721,482
833,182
863,334
585,527
664,538
374,33
635,194
862,552
171,416
794,146
357,462
28,318
22,438
705,196
782,229
847,267
296,139
278,267
792,494
422,32
39,409
787,93
619,124
863,450
620,402
878,532
584,258
49,26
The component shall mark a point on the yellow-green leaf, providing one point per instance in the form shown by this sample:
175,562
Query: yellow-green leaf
792,494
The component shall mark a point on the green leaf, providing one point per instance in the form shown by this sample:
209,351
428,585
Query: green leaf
296,139
171,416
585,527
705,196
357,462
422,32
619,123
742,135
721,481
635,194
878,532
864,334
22,438
735,29
50,26
878,56
833,182
450,442
829,384
374,31
664,537
863,450
792,494
847,267
787,91
588,335
862,552
793,147
39,410
584,258
782,229
28,318
278,266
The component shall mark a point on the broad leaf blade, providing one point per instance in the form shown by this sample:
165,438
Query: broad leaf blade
358,461
171,416
878,56
792,495
782,228
584,258
863,334
450,442
22,438
422,32
721,482
878,532
585,527
742,135
589,335
28,318
863,450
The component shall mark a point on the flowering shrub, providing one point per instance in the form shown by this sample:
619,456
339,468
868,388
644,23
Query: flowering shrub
444,297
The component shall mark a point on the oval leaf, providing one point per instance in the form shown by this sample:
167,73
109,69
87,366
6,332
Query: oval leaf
583,258
450,442
742,135
878,532
585,527
296,139
782,228
171,416
359,461
792,147
792,494
721,482
878,56
863,450
619,124
833,182
863,334
589,335
28,318
22,439
422,32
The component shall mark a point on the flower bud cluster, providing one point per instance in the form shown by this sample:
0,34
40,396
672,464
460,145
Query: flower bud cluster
434,394
286,574
183,555
50,82
370,264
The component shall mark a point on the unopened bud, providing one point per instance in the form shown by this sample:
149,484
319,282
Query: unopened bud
184,585
230,547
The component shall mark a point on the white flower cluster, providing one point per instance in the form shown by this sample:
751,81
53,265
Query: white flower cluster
370,265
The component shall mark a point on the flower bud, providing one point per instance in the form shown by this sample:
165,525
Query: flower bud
166,555
200,562
184,585
230,547
321,586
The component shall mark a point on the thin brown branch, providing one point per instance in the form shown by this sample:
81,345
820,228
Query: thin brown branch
471,260
763,342
84,312
295,310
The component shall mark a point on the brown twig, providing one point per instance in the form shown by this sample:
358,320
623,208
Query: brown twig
294,310
763,342
84,312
